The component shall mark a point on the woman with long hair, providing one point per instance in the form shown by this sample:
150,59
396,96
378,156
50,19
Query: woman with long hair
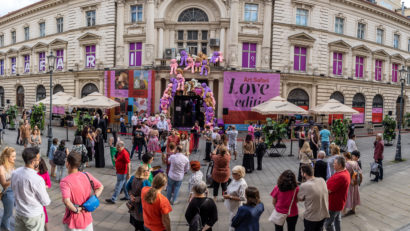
220,170
79,147
196,131
305,156
99,149
314,140
185,144
248,154
155,206
153,142
43,172
283,194
247,217
353,195
138,181
35,140
7,159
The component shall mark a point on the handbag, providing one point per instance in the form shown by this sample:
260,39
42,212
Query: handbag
92,203
278,218
209,179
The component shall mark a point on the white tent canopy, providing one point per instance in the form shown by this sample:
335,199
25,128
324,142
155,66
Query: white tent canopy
278,105
60,99
333,106
95,100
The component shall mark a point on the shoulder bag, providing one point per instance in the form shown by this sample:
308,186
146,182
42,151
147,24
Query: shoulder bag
92,203
196,223
278,218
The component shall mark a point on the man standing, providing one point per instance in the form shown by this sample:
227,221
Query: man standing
179,165
324,139
315,195
75,190
321,166
134,121
232,136
3,117
162,125
338,186
25,131
123,169
30,193
145,129
351,143
378,156
138,141
208,143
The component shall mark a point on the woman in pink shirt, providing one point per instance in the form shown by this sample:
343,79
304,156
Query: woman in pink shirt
75,190
282,194
43,172
251,130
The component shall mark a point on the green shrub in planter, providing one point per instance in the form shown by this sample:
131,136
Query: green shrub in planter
82,119
389,133
37,116
340,130
274,132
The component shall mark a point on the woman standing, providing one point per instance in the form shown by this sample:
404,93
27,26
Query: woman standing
173,138
153,143
196,130
235,193
247,218
353,195
248,154
258,131
35,138
7,158
285,193
314,141
305,154
43,172
79,147
251,130
185,144
220,171
155,206
88,141
139,181
99,149
201,204
122,126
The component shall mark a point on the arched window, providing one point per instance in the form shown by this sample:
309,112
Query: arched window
359,104
378,101
359,100
193,15
337,95
377,109
299,97
1,97
20,96
40,93
88,89
58,88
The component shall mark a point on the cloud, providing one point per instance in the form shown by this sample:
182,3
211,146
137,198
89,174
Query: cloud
8,6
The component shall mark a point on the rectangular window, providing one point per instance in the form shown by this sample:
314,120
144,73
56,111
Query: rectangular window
360,30
90,17
204,47
395,71
359,67
42,61
26,63
13,37
251,12
192,48
302,17
396,41
26,33
135,54
180,45
136,13
192,35
408,76
13,65
60,59
204,35
378,70
2,40
60,23
1,66
249,55
299,59
42,29
90,56
339,24
337,63
380,34
180,35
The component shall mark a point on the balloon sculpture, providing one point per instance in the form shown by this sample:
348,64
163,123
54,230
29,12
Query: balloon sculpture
215,57
205,67
174,66
191,65
181,80
184,57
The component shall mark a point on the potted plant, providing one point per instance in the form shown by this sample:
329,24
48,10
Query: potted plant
12,114
340,130
82,119
389,133
274,132
37,116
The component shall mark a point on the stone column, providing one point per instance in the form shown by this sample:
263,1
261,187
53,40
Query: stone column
157,95
160,42
233,35
267,28
150,33
120,34
220,98
77,88
222,41
284,90
314,97
172,38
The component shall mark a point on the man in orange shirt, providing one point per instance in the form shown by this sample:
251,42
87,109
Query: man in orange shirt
25,131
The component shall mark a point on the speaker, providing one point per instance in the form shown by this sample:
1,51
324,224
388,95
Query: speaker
390,113
129,108
225,111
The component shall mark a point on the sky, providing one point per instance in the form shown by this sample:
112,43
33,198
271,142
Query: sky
12,5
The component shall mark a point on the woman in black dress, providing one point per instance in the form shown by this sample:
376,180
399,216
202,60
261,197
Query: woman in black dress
99,149
248,154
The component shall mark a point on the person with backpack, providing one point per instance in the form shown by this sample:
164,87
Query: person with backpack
79,147
59,159
53,149
202,212
353,195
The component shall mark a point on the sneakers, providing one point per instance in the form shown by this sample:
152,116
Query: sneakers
109,201
124,199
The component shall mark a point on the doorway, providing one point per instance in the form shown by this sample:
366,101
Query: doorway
188,109
20,97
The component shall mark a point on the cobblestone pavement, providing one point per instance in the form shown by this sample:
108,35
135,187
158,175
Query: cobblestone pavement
385,205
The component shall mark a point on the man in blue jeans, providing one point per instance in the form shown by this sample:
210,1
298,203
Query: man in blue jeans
324,139
123,169
179,165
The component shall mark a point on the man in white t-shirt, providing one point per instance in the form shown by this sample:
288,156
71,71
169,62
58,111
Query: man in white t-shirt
134,120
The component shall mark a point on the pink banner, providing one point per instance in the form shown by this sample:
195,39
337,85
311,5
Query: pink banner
244,90
58,110
119,83
377,110
358,118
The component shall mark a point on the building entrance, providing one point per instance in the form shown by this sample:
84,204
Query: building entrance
187,109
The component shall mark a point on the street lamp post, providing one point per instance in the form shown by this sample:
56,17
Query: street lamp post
403,74
51,62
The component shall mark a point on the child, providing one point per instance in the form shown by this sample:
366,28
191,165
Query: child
260,151
147,161
53,148
60,156
356,157
196,176
172,150
43,172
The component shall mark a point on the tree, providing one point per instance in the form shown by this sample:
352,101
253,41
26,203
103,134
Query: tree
340,130
37,116
389,125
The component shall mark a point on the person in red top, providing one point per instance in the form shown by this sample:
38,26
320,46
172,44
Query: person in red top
123,168
75,190
378,156
338,186
173,138
155,206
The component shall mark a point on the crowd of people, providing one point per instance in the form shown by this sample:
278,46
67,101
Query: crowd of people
327,181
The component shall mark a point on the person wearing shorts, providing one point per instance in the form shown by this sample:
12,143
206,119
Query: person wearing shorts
232,136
